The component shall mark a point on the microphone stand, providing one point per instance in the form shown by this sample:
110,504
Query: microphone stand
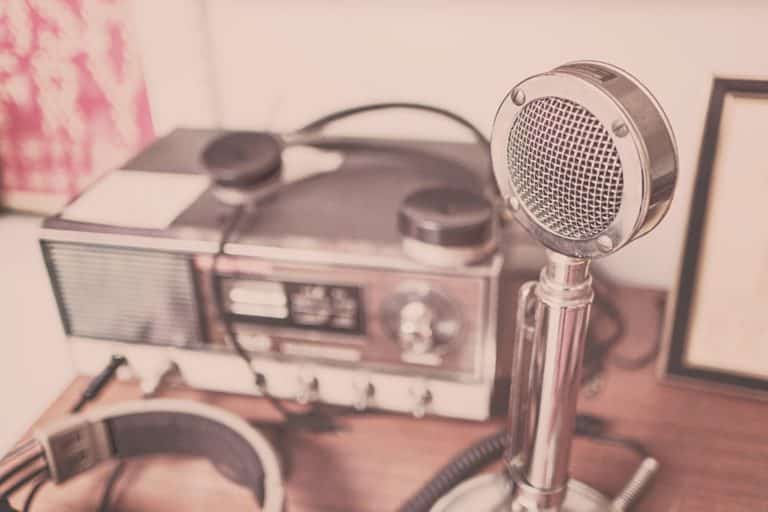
550,335
551,328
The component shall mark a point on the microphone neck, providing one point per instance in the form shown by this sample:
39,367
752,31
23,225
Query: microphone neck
565,272
546,374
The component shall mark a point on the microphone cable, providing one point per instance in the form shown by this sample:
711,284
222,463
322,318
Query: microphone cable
490,449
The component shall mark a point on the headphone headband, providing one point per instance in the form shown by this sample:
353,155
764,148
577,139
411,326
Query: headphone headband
162,426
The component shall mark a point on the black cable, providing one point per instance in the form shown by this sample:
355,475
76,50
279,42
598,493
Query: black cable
97,383
313,420
622,442
31,496
461,467
643,360
259,380
22,482
598,348
490,449
335,116
19,448
478,135
109,486
20,466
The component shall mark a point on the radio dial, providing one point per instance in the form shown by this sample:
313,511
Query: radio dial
421,320
416,319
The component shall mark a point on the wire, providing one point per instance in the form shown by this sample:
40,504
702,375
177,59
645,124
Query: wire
20,466
462,466
97,383
259,379
643,360
31,496
20,448
622,442
109,487
22,482
324,121
490,449
313,420
480,138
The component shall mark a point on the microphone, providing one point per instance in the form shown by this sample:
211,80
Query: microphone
586,161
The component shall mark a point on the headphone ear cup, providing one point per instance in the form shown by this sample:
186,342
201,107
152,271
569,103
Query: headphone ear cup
243,159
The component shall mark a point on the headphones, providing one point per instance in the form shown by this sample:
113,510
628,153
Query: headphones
78,443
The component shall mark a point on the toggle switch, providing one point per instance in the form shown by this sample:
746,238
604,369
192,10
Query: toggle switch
422,398
364,395
308,389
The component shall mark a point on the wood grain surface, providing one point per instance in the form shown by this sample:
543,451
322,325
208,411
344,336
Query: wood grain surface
713,449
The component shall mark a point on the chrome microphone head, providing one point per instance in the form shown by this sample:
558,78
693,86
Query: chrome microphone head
585,158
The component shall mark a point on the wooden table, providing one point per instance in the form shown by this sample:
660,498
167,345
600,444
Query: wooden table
713,449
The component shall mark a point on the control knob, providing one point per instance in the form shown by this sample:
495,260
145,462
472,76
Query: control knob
308,388
421,320
422,398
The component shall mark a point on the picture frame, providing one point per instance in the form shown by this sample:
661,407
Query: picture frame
716,329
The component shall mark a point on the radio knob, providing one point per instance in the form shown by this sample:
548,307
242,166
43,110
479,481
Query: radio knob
308,388
415,333
421,320
422,398
365,394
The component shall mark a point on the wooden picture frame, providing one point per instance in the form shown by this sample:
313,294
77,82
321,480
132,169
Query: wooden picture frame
714,335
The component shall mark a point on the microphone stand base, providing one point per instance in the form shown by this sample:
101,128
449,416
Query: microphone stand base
493,492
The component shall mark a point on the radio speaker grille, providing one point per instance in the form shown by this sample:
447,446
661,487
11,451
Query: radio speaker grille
124,294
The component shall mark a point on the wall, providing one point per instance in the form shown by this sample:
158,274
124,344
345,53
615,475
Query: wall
273,64
34,360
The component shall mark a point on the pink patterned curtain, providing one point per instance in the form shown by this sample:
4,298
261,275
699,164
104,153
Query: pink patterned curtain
72,97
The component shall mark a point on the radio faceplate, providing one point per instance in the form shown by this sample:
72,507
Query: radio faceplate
424,323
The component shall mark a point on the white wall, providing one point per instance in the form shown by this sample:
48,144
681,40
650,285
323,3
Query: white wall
34,361
276,64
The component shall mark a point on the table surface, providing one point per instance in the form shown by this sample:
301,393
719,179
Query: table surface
713,449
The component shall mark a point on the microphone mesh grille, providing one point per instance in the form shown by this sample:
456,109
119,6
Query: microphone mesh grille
565,168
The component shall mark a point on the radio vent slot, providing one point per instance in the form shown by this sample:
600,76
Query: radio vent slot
131,295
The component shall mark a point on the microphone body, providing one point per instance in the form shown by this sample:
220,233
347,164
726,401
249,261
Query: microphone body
586,161
552,320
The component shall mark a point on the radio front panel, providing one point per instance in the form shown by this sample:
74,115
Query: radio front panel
379,319
322,294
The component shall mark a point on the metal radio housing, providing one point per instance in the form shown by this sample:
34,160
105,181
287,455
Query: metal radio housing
329,307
